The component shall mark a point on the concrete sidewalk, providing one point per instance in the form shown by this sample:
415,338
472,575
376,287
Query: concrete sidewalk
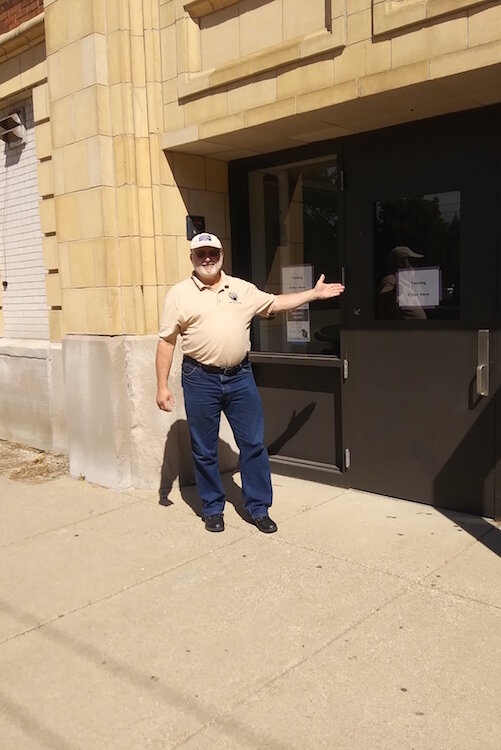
366,622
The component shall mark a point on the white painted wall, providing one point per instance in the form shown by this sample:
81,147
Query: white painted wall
32,404
21,258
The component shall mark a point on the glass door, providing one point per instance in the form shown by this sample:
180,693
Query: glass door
295,229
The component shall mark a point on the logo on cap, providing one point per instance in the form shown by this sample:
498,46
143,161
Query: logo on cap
204,239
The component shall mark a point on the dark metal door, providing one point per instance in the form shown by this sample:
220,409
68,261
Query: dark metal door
420,336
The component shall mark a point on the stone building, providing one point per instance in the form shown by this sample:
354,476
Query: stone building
310,138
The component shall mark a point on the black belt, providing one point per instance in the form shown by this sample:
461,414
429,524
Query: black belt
218,370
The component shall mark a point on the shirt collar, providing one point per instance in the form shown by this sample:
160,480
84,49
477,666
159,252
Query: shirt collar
200,284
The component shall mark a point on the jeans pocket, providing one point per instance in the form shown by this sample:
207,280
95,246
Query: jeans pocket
188,368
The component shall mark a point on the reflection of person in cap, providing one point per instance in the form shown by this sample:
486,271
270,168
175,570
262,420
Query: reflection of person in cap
399,259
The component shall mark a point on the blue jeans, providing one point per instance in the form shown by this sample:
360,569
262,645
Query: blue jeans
206,395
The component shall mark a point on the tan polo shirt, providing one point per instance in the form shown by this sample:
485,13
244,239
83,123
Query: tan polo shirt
214,324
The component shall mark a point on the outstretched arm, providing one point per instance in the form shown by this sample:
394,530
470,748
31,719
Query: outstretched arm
321,290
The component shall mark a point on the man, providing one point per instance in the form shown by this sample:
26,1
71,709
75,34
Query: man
212,313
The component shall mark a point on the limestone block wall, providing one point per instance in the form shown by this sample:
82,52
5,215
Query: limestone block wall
120,202
390,16
47,210
114,211
243,77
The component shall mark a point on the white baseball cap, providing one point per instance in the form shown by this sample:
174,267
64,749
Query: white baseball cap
204,239
402,251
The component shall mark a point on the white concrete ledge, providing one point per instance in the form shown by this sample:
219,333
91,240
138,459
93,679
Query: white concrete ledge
117,436
30,348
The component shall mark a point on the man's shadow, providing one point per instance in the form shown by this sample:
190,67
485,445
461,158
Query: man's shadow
177,464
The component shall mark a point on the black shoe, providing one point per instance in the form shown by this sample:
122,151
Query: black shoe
215,522
265,524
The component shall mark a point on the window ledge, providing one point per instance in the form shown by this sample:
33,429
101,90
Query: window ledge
200,8
274,57
391,16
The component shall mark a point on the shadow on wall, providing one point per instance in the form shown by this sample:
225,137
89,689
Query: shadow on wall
296,422
483,462
482,482
177,464
202,190
13,153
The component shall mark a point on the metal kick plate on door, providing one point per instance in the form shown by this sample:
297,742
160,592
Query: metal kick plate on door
483,363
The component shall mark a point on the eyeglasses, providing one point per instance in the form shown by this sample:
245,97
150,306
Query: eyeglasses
213,253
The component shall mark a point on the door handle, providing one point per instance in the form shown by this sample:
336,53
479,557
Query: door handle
483,363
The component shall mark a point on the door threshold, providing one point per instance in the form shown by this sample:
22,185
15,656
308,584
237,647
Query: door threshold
309,470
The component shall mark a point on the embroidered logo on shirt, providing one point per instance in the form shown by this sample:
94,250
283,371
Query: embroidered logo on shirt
233,296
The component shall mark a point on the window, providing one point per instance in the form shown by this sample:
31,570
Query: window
294,238
416,257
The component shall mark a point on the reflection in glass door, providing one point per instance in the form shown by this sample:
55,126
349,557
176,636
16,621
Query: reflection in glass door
294,238
417,257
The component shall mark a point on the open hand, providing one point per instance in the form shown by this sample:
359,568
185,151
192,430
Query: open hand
326,291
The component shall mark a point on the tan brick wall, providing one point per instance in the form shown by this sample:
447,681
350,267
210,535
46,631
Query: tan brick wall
43,138
117,202
392,16
101,123
229,73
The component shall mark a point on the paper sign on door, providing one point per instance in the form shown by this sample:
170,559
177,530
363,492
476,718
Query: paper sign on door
418,287
297,279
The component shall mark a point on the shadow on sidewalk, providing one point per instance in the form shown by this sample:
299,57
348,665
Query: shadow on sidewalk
100,656
479,528
177,466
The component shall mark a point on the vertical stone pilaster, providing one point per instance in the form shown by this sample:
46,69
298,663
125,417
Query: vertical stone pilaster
104,93
43,140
